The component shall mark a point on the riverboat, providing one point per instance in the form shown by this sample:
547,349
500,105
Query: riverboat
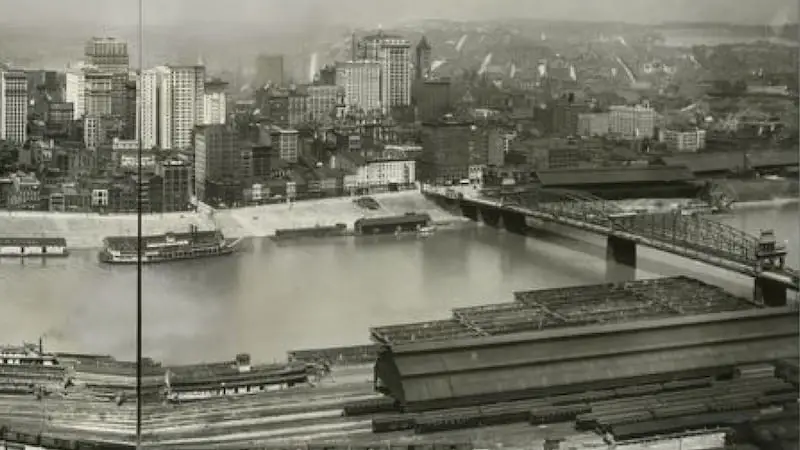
33,246
167,247
26,354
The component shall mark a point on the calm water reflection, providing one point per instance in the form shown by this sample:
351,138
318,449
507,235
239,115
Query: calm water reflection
279,296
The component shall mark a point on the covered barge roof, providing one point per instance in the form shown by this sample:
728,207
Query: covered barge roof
33,241
393,220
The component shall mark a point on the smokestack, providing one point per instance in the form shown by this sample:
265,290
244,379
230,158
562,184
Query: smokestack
41,346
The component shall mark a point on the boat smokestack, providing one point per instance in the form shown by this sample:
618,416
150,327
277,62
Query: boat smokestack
41,346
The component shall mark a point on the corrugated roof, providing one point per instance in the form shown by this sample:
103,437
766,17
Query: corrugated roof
614,175
29,241
504,365
771,159
398,220
707,162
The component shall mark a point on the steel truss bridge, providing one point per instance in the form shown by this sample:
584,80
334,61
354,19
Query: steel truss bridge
690,236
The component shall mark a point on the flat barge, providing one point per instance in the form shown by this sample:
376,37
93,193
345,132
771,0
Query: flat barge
20,247
339,229
407,223
167,247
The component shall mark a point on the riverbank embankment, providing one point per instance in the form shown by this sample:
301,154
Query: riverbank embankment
87,230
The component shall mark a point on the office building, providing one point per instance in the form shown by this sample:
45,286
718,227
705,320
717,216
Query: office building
107,54
75,92
216,157
432,99
322,101
170,192
171,104
632,122
13,106
393,55
214,103
285,142
593,124
361,82
683,140
98,92
327,76
450,149
422,62
269,70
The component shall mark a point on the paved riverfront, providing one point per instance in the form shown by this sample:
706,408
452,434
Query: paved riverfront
273,297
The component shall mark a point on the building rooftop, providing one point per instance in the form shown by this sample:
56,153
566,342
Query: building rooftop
572,306
614,175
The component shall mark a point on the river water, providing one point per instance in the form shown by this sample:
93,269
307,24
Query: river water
273,297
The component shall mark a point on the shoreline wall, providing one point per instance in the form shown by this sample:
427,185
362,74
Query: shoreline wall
87,230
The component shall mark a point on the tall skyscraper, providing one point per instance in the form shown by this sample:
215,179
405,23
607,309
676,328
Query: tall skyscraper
98,92
147,118
269,70
214,103
107,54
361,82
422,63
13,106
110,56
76,90
393,55
170,105
216,157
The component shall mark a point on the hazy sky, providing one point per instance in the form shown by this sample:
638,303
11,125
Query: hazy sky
281,14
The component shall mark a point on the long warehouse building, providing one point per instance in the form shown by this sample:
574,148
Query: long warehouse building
460,372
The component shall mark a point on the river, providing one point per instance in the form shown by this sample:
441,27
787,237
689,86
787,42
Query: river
273,297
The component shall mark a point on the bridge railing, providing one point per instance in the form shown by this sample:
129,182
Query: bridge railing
690,232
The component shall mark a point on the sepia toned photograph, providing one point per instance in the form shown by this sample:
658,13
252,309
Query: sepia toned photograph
399,225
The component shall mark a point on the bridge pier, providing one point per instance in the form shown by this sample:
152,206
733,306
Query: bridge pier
469,210
514,222
490,216
620,260
769,292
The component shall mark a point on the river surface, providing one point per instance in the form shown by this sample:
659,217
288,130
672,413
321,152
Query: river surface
273,297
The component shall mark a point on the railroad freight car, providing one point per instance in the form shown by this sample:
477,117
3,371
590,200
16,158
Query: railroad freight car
677,425
510,412
371,406
389,424
556,414
55,443
447,420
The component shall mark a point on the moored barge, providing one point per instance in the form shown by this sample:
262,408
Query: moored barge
167,247
407,223
318,231
33,246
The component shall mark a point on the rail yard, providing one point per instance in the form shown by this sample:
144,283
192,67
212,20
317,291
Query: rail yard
586,366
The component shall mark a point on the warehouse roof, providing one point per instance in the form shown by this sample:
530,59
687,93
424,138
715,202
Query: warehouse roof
732,161
707,162
614,175
464,369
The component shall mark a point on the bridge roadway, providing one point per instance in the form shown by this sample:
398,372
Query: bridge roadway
622,241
